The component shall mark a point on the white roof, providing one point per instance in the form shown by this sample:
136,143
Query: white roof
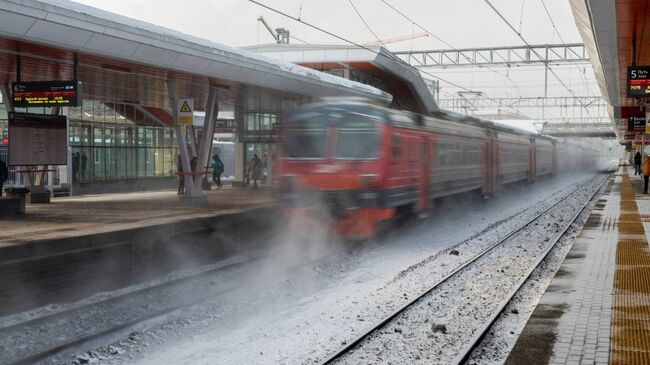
85,29
379,56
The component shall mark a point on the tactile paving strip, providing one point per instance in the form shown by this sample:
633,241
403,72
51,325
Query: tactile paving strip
631,313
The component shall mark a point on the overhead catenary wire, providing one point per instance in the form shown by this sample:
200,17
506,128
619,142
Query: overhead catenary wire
298,39
347,40
557,31
532,49
447,43
366,23
368,49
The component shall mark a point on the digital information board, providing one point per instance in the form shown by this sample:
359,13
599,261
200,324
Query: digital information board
636,123
638,81
37,139
46,93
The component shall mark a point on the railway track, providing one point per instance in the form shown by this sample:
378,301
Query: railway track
17,333
106,307
466,351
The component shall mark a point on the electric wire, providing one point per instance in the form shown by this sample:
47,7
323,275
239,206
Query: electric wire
532,49
344,39
298,39
366,23
557,31
521,15
366,48
448,44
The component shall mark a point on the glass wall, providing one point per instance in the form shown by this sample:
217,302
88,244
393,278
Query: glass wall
116,142
4,125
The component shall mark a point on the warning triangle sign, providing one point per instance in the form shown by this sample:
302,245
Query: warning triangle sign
185,108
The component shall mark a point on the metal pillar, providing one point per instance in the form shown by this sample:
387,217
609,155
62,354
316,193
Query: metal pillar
192,135
182,140
205,146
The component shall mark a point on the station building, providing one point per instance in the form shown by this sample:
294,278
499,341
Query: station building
124,136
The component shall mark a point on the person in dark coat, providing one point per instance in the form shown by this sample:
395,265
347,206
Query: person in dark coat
84,161
75,167
637,163
217,170
4,175
255,170
181,177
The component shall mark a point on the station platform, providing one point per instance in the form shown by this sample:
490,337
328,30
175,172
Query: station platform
78,246
91,214
596,309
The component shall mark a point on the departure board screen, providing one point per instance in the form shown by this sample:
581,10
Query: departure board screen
37,139
638,81
45,93
636,123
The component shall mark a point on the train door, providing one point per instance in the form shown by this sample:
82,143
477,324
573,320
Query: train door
425,171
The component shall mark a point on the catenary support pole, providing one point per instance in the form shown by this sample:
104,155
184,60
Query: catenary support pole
205,145
180,136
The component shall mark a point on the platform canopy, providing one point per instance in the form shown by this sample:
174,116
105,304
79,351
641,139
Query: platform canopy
120,59
387,71
615,32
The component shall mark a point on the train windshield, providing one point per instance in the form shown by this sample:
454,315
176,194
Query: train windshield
357,137
306,140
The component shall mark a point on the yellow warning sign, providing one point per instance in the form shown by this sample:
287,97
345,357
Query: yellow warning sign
185,111
185,108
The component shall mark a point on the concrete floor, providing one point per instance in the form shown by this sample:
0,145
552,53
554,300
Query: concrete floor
90,214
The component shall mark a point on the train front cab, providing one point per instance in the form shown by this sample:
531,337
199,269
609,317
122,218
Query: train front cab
333,161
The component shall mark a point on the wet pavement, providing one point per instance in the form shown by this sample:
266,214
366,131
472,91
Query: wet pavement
596,309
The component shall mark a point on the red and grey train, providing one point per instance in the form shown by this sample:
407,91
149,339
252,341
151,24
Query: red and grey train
368,164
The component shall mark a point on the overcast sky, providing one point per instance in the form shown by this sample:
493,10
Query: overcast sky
461,23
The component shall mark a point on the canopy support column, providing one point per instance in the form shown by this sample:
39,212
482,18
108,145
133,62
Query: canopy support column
205,145
190,192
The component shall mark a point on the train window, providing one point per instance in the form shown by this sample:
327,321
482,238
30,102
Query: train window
306,140
357,138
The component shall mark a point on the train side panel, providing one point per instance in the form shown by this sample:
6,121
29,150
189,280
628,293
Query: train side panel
544,157
514,158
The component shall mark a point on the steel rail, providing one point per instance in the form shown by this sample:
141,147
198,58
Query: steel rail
478,339
59,348
349,346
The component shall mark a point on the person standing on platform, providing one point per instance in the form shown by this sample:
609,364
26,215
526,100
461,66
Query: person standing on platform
256,170
217,170
4,175
646,173
84,160
181,177
637,163
75,167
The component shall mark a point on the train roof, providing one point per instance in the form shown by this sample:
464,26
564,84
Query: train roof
379,111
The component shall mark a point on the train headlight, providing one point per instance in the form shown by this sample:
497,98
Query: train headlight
369,181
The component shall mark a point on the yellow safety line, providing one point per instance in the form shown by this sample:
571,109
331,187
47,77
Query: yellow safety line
630,332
